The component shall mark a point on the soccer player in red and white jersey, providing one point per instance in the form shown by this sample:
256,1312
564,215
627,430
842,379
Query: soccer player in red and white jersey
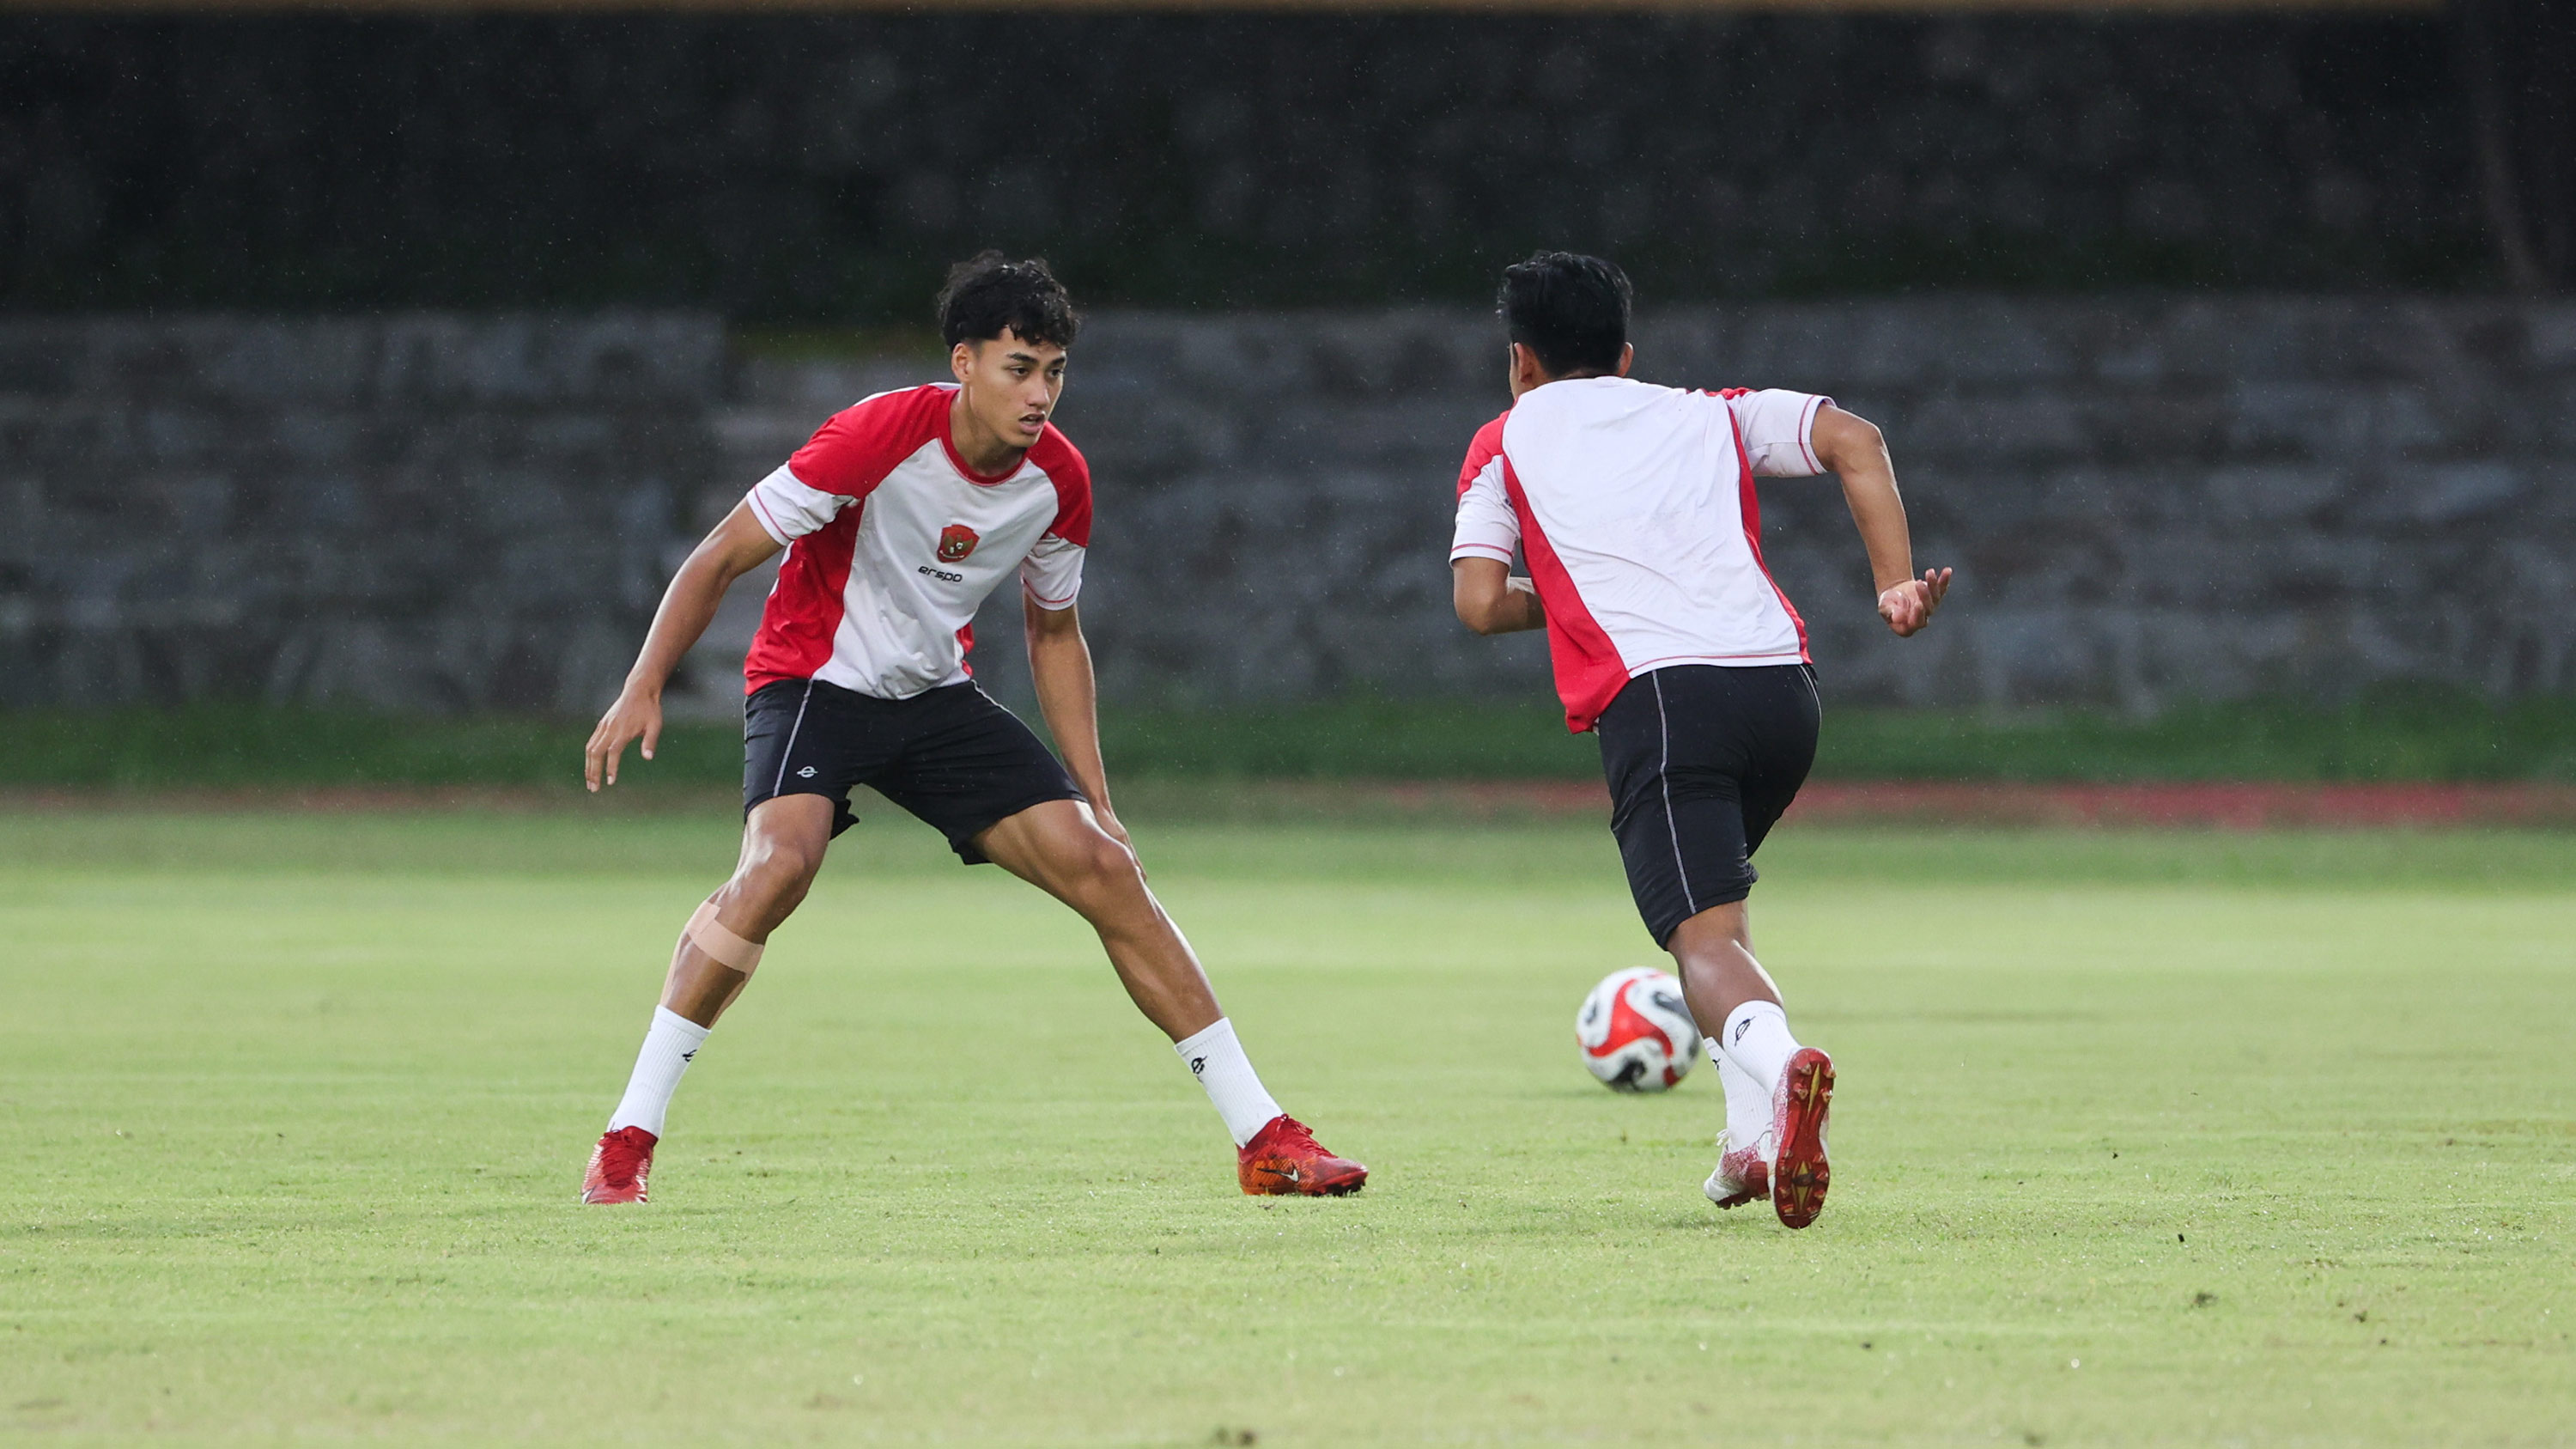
1635,508
900,516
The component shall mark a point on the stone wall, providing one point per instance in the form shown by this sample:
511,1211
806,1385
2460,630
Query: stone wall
2195,498
417,512
2147,499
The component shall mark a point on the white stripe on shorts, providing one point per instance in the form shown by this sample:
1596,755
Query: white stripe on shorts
790,747
1663,777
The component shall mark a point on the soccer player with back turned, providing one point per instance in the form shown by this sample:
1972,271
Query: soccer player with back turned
1635,508
900,516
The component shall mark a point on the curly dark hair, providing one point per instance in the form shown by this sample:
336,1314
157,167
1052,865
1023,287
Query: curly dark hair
989,292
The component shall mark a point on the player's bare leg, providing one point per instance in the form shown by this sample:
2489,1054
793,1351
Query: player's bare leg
1718,970
1060,848
782,847
1778,1093
783,842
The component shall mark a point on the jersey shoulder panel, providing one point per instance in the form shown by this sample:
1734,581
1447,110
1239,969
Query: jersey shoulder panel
1065,467
854,451
1487,446
1775,427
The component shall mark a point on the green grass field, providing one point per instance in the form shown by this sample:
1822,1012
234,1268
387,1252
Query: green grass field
2401,735
2141,1139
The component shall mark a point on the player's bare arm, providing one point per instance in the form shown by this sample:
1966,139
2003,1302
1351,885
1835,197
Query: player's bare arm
1080,854
1851,447
1491,599
735,547
1069,698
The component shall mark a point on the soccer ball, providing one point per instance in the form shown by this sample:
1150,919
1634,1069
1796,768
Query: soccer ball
1636,1032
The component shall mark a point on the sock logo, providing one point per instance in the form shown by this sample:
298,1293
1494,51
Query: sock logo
805,774
1198,1066
1741,1028
690,1055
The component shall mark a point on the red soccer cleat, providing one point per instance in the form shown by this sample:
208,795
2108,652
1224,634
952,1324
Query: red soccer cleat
618,1166
1284,1158
1799,1175
1741,1175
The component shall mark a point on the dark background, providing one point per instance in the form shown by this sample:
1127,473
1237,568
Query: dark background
820,169
358,368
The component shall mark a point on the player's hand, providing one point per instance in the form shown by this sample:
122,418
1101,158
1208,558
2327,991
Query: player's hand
1908,606
1108,822
634,715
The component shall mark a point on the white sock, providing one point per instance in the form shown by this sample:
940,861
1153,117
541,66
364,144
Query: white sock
668,1048
1217,1060
1757,1040
1748,1102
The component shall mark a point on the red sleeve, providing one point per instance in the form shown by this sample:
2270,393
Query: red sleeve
1487,446
1065,467
851,454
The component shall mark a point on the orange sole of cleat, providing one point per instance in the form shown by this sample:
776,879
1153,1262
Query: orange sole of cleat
1278,1177
1799,1179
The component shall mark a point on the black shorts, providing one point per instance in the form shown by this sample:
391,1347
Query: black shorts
1701,761
949,755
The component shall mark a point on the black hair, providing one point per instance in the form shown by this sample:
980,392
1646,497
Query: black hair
1571,310
989,292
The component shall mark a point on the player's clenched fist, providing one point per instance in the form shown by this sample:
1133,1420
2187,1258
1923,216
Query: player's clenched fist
1908,606
632,716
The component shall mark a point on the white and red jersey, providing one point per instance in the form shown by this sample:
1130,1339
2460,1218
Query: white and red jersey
893,542
1635,507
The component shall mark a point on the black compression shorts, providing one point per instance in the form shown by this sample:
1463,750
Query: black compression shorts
949,755
1701,761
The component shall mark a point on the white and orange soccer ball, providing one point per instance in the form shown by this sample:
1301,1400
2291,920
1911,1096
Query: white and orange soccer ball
1636,1031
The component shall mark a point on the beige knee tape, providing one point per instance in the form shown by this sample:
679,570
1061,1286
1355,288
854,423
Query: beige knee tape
722,946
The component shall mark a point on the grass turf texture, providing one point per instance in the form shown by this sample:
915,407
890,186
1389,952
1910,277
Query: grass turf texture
2394,735
2140,1139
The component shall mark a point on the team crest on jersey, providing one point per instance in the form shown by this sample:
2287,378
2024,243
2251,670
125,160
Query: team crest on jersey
956,541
